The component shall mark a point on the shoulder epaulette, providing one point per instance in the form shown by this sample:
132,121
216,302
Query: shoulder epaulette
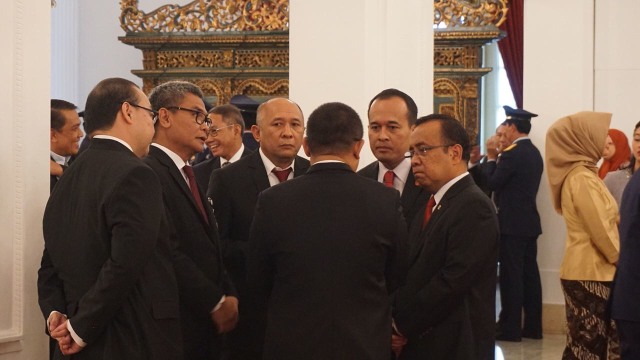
510,147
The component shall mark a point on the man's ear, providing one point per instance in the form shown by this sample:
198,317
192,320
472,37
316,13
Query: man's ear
305,147
54,136
163,118
456,153
255,130
357,147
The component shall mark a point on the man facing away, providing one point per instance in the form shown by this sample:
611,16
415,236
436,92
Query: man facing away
234,191
224,142
106,284
65,137
323,269
208,303
446,309
392,114
515,179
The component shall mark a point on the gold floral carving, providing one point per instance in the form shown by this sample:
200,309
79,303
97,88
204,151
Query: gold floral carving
262,58
461,13
459,98
207,16
186,59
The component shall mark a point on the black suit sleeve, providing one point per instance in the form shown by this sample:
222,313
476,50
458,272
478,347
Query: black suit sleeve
196,288
221,199
499,175
471,243
133,211
51,295
396,270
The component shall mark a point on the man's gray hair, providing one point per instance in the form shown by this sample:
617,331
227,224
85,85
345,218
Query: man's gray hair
172,92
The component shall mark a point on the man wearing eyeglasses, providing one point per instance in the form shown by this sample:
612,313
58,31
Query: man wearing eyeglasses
392,114
224,142
106,284
234,191
446,308
208,301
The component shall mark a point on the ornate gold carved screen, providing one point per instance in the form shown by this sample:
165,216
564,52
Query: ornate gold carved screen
461,30
227,47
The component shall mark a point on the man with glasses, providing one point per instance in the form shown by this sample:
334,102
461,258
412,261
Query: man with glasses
224,142
446,308
106,284
392,114
234,191
208,306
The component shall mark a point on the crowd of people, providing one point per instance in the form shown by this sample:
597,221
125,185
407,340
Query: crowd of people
264,254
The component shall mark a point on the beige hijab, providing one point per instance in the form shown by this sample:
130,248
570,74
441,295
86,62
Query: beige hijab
574,140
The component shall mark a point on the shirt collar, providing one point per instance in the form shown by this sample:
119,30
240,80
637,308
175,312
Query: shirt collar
109,137
173,156
443,190
235,156
58,158
520,138
401,171
269,166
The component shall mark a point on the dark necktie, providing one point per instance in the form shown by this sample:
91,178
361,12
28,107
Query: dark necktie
387,179
428,211
194,191
282,175
225,163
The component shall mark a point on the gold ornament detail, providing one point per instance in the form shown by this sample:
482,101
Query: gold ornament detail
262,58
471,13
207,16
186,59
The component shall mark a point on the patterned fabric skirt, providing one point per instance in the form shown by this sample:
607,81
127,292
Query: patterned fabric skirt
591,335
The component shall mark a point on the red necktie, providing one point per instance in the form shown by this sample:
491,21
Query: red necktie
428,211
194,191
282,175
387,179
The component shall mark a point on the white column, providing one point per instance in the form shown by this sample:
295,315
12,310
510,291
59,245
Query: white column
348,51
24,144
64,52
558,81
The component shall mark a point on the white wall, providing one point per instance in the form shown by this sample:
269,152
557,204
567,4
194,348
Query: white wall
24,98
617,70
348,51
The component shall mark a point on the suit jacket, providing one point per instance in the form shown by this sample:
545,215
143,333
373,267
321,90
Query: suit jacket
479,176
234,192
413,198
626,292
327,265
202,278
515,181
203,170
54,179
107,258
446,309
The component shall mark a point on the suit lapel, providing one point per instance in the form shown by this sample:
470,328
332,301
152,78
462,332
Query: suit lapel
259,173
424,235
177,177
410,192
300,167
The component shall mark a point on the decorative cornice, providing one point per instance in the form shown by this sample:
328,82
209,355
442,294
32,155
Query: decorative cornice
207,16
469,13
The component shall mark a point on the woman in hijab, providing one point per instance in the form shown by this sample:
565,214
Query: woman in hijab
616,181
573,146
616,153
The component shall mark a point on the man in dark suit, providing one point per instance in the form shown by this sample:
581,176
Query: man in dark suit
234,191
514,179
625,295
208,303
65,137
106,284
224,142
324,279
446,309
392,114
